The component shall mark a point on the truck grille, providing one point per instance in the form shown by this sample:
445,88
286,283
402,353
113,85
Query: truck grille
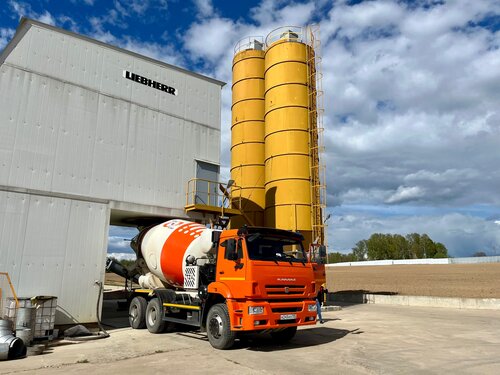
285,290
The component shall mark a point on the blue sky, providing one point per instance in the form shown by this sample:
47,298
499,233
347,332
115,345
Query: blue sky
412,99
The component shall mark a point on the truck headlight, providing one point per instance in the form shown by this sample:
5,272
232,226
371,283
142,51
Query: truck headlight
255,310
311,308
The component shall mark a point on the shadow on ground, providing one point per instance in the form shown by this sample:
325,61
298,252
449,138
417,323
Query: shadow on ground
353,296
115,318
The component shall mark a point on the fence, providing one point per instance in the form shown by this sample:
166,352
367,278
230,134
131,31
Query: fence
469,260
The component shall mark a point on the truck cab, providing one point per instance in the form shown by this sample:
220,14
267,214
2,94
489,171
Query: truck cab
266,282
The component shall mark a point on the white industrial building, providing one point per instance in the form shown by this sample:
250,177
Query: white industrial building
91,135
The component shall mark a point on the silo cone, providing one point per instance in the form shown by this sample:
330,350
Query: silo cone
247,135
287,160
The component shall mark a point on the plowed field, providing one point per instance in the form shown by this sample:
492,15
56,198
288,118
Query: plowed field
438,280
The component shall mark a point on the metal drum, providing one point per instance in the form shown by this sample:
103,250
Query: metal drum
25,334
5,327
14,345
26,317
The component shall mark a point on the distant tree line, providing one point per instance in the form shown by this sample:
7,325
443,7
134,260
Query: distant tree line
392,246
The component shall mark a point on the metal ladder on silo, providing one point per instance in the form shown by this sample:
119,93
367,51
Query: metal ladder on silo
316,146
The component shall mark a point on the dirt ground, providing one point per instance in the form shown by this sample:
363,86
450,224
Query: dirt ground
438,280
113,279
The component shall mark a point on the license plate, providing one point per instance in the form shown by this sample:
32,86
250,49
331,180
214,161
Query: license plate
288,316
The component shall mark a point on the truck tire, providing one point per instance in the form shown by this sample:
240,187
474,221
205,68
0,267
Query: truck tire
285,335
219,331
154,316
137,312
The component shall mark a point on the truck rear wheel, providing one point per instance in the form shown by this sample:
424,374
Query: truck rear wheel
154,316
219,327
137,313
285,335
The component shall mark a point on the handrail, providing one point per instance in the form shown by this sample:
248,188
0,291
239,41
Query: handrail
249,43
212,193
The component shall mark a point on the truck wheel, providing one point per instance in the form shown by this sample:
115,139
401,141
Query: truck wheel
285,335
137,313
154,316
219,327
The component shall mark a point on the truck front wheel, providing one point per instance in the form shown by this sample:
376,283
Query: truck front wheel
137,312
285,335
154,316
219,327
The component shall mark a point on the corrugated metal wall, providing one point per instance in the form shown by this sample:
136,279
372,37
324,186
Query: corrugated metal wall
54,246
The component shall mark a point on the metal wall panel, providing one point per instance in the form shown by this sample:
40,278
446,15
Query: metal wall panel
13,218
75,141
54,246
141,152
72,124
110,150
32,134
101,69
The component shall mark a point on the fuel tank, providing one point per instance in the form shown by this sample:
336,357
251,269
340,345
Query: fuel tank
166,246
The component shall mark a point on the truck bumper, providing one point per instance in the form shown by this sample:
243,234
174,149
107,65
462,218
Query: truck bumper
264,315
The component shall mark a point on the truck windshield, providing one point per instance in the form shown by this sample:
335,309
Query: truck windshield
275,248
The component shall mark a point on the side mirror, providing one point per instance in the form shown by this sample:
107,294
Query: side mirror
231,253
322,251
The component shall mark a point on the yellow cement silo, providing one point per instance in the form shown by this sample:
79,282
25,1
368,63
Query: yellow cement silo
287,149
247,132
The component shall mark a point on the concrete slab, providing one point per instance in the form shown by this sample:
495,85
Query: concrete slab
359,339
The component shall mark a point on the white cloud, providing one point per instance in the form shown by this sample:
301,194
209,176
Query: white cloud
412,106
463,235
122,256
406,194
119,239
159,51
118,243
271,14
205,8
23,9
210,39
46,17
5,36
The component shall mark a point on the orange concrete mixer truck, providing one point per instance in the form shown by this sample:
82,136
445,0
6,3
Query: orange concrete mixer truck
226,282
